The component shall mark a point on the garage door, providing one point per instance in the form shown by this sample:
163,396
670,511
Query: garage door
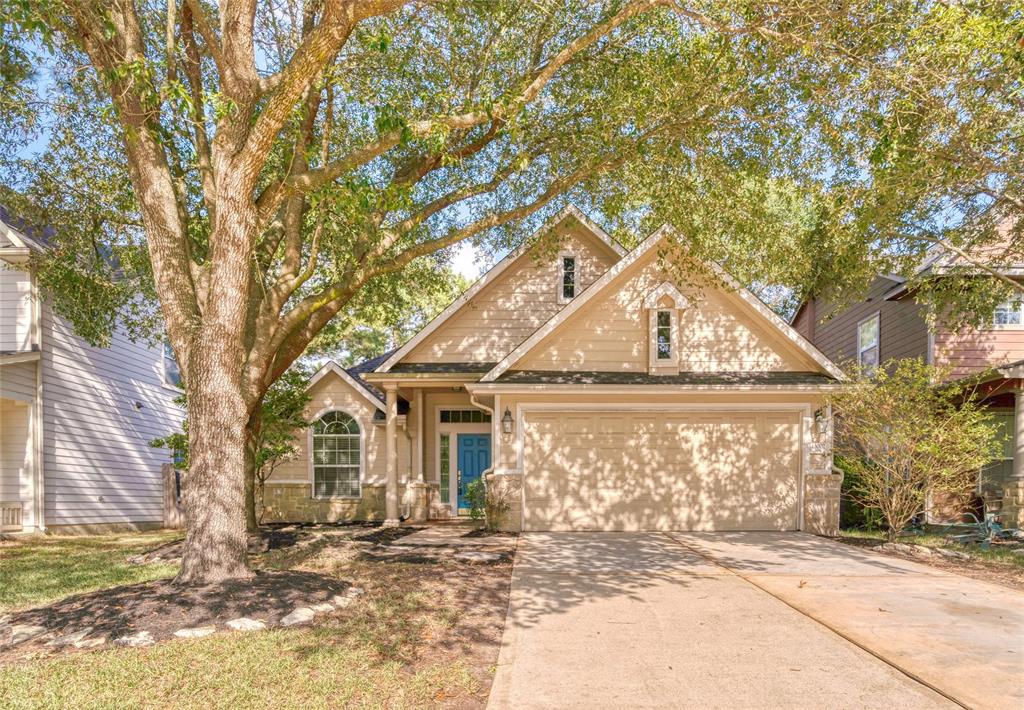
671,470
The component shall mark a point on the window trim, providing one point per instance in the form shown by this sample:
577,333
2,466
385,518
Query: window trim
310,458
453,429
164,345
577,270
877,316
657,335
669,365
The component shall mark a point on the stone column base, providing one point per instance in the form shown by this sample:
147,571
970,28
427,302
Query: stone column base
391,523
418,501
821,503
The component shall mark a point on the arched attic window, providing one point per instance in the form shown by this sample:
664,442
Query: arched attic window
663,305
337,456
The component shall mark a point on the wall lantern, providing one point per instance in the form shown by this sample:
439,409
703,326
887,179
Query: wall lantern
506,421
820,422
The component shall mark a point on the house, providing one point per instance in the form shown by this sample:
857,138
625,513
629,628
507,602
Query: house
75,420
889,323
594,389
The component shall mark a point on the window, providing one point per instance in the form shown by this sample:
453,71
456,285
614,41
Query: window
172,373
446,466
569,275
867,342
464,416
1009,312
337,457
664,335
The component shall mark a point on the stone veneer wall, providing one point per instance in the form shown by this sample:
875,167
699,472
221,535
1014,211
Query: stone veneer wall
510,486
1013,503
821,503
291,503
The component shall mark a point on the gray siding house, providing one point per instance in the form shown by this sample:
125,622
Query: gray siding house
75,420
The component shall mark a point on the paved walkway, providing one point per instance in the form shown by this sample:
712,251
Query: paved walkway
611,620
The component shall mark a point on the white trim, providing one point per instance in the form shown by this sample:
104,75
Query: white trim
665,389
19,239
667,288
494,272
627,261
338,370
577,270
805,427
15,358
877,315
309,449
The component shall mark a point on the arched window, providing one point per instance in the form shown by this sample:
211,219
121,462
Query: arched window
337,458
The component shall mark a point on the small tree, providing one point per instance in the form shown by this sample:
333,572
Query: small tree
907,439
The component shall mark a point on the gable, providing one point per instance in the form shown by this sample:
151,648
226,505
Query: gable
510,307
721,327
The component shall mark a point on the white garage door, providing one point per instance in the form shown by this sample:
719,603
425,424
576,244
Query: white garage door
669,470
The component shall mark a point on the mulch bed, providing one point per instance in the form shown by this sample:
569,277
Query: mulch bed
162,608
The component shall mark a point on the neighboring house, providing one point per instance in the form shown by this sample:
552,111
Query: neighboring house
75,421
890,324
594,389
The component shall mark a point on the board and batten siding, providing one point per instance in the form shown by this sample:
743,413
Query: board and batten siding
611,333
506,312
102,407
15,309
903,332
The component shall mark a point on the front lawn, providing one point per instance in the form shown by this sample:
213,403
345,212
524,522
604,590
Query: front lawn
425,632
42,569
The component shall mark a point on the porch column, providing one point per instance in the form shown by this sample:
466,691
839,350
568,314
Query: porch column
1018,433
391,455
421,423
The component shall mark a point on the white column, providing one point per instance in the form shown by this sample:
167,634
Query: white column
421,423
391,455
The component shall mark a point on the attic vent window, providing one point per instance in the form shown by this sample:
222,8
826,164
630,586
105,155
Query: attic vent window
569,277
664,305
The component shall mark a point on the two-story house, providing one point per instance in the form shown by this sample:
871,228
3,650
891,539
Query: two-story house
75,420
889,323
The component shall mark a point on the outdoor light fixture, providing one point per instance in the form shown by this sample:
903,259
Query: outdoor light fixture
506,421
820,422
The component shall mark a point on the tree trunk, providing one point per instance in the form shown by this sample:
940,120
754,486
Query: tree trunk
215,544
252,520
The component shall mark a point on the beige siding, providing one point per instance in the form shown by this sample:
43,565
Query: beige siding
18,381
15,309
16,457
333,393
102,407
611,333
647,470
972,351
903,331
510,309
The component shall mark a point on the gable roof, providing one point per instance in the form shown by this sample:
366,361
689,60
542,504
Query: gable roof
494,272
368,393
765,313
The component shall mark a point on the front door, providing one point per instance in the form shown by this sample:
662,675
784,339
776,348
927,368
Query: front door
474,457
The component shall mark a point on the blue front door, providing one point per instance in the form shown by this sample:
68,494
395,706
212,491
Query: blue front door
474,458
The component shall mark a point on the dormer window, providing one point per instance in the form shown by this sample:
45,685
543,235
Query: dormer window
664,335
570,277
663,306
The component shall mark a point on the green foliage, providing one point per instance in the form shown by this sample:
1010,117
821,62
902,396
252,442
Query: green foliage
476,494
905,435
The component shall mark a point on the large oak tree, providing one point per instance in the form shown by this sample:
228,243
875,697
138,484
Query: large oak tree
261,167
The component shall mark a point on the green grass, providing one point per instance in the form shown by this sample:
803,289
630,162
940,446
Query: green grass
41,569
995,555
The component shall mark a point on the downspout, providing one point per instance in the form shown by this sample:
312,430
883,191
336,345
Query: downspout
476,403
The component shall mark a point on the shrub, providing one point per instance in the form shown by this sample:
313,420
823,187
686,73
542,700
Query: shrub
904,439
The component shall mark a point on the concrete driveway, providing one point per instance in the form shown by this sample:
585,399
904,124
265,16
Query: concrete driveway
748,620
